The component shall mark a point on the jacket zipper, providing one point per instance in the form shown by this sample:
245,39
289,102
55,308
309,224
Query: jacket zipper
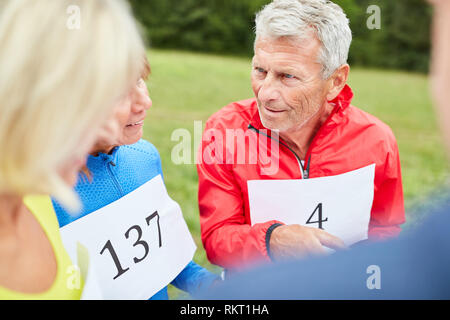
113,178
304,172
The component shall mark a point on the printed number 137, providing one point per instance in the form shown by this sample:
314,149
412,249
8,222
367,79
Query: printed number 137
139,242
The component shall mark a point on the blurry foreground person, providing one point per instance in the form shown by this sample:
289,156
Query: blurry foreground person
414,266
440,66
58,85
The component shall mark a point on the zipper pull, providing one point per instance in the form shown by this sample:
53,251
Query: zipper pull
112,163
306,171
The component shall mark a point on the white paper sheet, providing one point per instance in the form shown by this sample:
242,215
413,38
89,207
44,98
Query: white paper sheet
341,203
91,289
137,244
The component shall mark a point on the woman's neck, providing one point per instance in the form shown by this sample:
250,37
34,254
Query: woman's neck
10,208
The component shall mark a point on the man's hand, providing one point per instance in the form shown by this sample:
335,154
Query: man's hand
295,241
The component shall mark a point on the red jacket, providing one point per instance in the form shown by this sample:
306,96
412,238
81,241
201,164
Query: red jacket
349,139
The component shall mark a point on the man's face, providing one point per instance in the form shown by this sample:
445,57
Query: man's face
287,81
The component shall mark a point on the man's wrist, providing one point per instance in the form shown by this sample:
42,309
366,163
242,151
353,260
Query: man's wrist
268,236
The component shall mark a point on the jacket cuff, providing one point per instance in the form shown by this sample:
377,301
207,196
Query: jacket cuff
268,235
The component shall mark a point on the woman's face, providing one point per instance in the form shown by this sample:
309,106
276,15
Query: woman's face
129,114
125,126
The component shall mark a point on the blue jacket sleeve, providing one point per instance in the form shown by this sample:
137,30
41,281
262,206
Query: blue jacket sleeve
194,278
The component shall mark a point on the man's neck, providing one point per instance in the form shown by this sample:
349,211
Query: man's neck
299,139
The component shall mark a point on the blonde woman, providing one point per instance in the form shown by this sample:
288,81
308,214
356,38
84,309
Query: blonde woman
62,70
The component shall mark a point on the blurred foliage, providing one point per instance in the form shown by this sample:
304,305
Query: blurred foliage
403,42
226,27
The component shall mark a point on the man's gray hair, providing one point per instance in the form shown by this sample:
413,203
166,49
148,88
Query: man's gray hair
293,18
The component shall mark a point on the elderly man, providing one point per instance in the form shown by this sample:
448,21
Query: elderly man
337,180
414,266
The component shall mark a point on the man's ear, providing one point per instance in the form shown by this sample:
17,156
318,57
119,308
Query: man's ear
337,81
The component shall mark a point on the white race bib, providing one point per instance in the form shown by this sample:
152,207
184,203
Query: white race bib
340,205
91,289
137,244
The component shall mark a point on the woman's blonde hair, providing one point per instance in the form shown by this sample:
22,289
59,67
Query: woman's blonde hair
63,66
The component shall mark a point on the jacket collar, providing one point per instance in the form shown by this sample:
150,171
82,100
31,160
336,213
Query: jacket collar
344,98
103,157
342,101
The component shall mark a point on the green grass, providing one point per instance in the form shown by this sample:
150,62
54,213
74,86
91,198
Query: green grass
187,87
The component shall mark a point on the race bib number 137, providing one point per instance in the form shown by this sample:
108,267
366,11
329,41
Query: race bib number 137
137,244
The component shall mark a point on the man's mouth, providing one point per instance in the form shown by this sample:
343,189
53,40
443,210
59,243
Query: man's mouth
274,110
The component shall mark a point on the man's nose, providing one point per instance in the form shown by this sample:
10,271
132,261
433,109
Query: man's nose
269,90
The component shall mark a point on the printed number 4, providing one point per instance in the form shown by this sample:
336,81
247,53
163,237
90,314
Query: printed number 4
320,220
143,243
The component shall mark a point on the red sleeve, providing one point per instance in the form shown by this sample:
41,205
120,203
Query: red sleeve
228,239
388,211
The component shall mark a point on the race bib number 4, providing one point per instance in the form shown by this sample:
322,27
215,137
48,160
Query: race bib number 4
340,204
138,244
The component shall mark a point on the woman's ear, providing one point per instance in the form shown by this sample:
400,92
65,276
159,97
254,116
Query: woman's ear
337,81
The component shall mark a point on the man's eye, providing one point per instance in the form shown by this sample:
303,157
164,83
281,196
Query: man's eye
261,70
288,76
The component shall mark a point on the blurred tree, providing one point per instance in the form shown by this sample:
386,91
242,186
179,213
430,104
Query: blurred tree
226,27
